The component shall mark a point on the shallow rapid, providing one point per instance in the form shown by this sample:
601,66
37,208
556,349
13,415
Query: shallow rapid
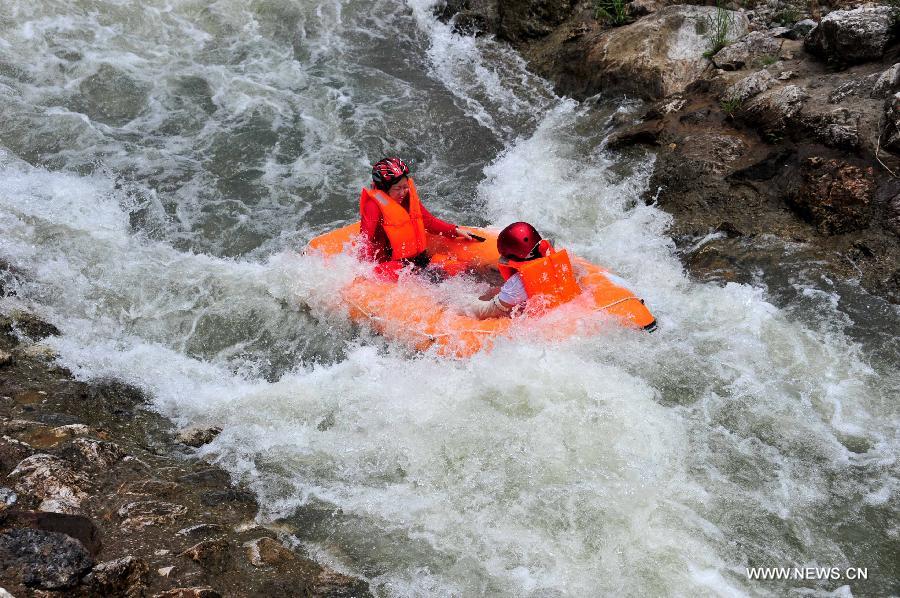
164,163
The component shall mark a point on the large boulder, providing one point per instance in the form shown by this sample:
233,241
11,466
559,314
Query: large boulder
853,36
658,55
835,195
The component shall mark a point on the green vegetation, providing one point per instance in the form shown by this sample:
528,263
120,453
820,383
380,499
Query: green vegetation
730,106
612,12
787,16
767,60
716,29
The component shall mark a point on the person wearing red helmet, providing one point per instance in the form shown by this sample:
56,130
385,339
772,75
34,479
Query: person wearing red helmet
530,266
393,221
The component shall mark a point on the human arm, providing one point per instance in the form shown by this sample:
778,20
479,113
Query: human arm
511,294
436,226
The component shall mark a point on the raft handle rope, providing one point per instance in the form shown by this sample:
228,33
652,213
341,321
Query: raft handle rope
434,337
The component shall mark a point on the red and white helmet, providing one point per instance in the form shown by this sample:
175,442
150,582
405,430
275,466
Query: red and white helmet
388,171
519,241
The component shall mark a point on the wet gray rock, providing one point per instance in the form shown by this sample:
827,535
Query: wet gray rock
195,592
75,526
889,136
470,17
755,48
528,19
32,326
52,481
121,577
853,36
45,560
111,97
887,84
7,498
197,437
893,215
835,195
782,32
145,513
750,86
802,28
775,109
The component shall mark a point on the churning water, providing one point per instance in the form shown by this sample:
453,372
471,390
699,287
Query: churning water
161,164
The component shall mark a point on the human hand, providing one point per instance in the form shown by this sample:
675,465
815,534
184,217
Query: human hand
464,234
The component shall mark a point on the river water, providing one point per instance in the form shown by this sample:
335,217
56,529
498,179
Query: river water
163,162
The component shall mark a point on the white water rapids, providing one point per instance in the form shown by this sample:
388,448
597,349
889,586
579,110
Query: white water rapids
162,162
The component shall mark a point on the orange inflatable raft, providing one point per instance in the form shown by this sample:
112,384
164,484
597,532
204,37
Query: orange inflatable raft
410,312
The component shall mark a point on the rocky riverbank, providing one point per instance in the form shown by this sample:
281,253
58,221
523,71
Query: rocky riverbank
768,119
100,496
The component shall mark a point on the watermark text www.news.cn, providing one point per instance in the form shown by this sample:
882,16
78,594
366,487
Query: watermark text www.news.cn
807,573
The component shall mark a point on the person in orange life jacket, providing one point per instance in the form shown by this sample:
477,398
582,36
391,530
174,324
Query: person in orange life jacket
530,267
393,221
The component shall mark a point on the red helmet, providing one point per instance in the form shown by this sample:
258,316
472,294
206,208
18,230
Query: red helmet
388,171
519,241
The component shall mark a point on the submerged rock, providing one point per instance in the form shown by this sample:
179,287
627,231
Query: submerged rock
145,513
196,592
853,36
835,195
45,560
111,97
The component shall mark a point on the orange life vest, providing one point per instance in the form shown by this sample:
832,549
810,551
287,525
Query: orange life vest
405,229
551,277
